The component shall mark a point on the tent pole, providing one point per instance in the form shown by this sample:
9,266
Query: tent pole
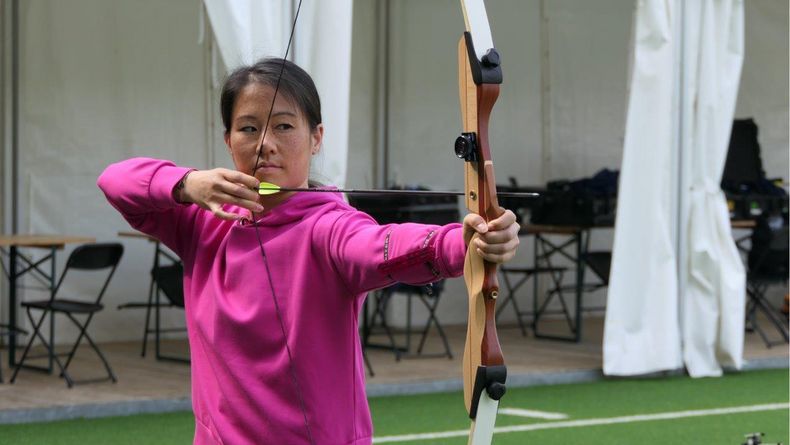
14,116
3,115
545,94
381,156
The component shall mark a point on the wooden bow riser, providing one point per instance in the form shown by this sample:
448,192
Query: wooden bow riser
488,207
483,360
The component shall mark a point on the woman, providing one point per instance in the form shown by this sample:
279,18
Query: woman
274,284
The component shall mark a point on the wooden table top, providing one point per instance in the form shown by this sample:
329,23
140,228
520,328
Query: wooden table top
569,230
743,223
29,240
136,234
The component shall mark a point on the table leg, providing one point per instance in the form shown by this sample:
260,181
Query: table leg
535,284
12,306
157,302
579,283
582,246
151,290
52,290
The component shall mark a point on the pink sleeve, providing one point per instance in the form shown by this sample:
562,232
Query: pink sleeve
371,256
141,189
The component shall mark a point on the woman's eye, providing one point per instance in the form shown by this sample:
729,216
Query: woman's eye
248,129
284,126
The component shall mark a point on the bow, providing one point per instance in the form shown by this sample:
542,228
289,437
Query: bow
479,76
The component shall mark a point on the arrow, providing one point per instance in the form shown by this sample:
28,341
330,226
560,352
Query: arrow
267,188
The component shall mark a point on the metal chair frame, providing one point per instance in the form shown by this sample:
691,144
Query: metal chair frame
430,299
757,283
82,258
526,273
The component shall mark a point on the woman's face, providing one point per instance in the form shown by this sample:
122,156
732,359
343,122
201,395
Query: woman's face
289,144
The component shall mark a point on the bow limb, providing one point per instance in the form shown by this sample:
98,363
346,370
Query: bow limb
479,77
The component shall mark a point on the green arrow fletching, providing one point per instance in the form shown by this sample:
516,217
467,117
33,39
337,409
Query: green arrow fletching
267,188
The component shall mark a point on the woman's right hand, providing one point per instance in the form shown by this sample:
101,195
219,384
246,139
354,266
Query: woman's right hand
211,189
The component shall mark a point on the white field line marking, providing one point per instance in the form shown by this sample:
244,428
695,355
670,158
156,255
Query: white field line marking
591,422
545,415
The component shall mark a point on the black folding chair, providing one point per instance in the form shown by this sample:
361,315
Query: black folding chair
522,275
169,281
429,296
400,209
768,265
150,305
91,258
4,331
600,262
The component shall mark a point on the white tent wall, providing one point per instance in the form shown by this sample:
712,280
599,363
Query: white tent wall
588,55
363,132
102,81
763,94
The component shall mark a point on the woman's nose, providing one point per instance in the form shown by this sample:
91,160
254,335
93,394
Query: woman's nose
266,145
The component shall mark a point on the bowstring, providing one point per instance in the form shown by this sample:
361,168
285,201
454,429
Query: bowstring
263,249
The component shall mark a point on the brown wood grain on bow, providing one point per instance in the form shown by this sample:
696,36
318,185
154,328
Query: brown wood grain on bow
482,344
489,209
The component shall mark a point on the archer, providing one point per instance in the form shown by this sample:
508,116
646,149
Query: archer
273,284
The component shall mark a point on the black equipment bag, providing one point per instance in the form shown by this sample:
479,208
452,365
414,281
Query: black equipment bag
584,202
749,193
437,210
768,256
522,206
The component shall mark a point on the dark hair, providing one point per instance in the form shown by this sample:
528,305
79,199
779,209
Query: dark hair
295,84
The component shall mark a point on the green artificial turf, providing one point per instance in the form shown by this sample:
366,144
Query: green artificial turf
141,429
610,398
444,412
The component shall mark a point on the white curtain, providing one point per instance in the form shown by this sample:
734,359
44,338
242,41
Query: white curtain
102,81
246,30
642,330
714,298
679,113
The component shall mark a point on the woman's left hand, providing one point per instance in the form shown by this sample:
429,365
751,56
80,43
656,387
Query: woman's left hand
498,238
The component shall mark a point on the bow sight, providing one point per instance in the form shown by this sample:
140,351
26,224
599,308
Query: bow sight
466,147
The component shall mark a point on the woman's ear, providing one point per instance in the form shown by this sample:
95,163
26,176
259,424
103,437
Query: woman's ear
317,137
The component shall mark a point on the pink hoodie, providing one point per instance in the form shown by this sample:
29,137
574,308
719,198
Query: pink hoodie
323,256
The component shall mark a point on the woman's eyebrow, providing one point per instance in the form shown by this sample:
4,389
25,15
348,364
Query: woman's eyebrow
284,113
250,117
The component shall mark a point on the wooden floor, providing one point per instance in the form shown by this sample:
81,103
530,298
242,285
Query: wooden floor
146,379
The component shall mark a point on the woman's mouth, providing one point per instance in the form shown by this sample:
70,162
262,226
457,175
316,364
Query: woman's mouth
267,167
